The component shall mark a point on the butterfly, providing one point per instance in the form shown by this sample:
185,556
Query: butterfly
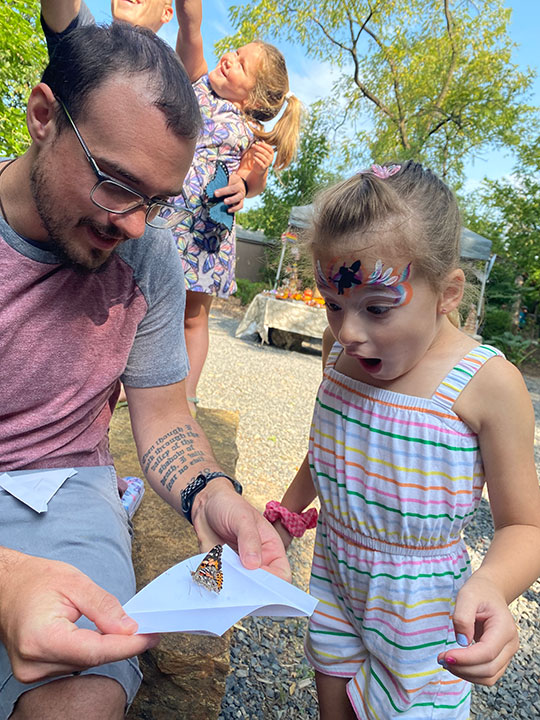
218,209
209,573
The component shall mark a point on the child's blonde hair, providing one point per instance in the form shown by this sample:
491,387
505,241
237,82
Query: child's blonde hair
265,101
413,206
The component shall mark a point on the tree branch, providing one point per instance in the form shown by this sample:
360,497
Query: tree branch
351,50
445,89
400,121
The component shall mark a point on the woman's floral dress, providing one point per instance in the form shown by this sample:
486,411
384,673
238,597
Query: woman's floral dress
225,136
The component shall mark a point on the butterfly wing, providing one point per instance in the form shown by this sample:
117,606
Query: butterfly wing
219,210
220,215
209,574
219,179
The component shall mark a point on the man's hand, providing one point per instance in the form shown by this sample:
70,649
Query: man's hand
39,604
221,515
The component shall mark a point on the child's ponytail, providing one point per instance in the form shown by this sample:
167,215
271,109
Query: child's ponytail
270,93
285,133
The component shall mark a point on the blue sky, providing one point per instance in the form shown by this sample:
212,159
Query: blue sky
309,79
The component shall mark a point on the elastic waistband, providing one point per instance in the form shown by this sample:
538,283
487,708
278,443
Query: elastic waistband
356,538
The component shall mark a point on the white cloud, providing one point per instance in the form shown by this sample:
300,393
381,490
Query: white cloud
311,82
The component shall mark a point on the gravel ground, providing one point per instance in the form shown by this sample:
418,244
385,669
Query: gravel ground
269,677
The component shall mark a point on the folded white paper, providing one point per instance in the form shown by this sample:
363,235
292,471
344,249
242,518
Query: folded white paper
35,488
173,602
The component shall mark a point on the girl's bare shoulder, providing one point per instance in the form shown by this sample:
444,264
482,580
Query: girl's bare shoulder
496,395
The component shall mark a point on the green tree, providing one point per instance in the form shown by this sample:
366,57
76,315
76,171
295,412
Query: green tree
508,212
434,78
22,58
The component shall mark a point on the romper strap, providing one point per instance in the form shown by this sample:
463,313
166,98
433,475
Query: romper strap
457,379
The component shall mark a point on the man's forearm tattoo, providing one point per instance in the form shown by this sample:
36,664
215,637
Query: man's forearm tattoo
172,455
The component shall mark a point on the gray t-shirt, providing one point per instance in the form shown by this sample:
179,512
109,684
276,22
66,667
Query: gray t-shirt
66,338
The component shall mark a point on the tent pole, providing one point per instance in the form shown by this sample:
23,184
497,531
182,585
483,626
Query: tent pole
487,270
278,273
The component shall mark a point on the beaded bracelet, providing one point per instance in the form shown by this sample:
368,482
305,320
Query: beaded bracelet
295,523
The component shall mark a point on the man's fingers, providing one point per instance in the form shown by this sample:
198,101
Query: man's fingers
71,649
86,648
259,545
100,607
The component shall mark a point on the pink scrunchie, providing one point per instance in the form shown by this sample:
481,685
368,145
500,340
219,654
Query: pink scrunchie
295,523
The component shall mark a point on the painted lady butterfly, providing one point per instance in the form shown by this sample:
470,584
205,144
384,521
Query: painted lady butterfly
209,573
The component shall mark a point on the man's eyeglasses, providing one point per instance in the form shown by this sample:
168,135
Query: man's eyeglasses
115,197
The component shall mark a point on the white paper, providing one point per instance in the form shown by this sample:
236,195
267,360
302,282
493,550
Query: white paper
35,488
173,602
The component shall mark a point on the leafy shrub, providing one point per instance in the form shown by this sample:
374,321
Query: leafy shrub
246,290
496,323
516,348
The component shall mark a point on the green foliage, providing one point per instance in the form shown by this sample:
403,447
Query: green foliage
22,58
501,289
516,205
508,212
246,290
421,79
516,348
496,323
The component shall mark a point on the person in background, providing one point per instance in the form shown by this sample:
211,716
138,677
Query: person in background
248,87
412,417
91,292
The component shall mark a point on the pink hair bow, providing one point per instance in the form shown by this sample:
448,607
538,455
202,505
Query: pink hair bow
383,171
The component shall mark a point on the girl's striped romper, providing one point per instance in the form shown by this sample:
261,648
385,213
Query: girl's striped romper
398,477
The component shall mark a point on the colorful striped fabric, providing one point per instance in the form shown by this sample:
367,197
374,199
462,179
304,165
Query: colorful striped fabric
398,477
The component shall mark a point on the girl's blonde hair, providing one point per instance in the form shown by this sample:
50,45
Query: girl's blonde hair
413,207
265,101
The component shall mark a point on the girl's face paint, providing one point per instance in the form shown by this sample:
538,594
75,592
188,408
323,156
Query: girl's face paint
342,278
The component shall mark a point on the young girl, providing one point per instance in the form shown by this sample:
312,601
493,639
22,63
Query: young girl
249,86
411,418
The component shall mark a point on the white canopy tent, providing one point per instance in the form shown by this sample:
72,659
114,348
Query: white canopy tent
473,247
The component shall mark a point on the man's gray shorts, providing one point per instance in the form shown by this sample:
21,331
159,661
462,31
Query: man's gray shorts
85,525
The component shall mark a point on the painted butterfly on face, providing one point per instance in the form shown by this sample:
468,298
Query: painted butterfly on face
218,209
209,573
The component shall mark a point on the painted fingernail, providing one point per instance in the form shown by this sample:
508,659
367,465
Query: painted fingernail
450,660
441,662
462,640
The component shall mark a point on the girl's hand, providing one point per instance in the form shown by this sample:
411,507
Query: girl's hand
481,614
233,194
285,535
262,156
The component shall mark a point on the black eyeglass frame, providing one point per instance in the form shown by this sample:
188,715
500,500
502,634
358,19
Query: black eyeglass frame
150,203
